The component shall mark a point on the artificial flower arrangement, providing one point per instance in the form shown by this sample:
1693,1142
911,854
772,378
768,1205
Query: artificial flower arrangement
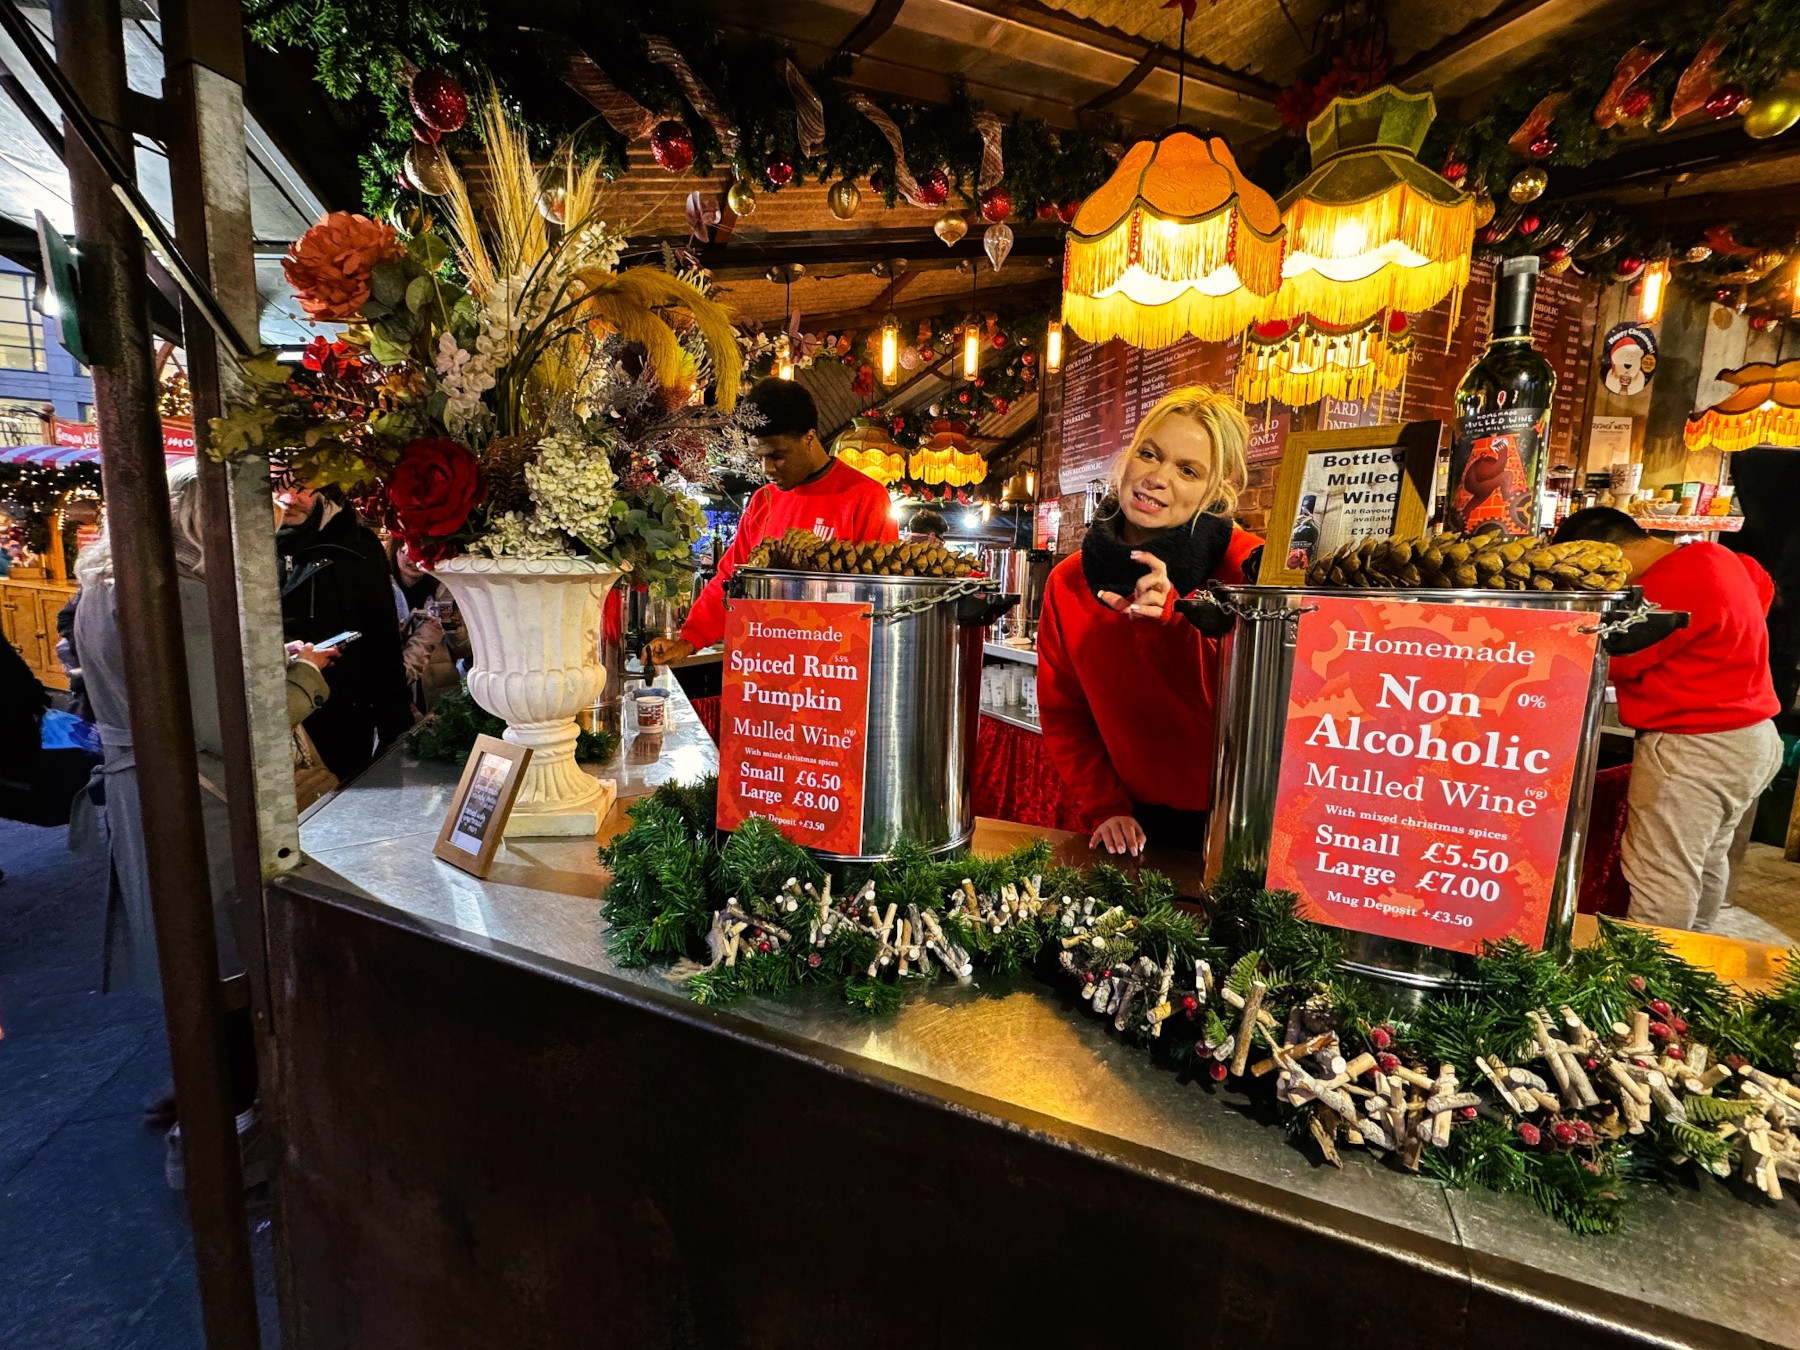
503,388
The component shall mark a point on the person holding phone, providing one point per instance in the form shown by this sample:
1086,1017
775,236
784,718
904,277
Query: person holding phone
1126,683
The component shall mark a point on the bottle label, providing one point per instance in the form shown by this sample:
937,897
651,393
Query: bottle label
1496,463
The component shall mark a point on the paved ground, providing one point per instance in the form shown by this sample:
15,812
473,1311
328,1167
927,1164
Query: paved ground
94,1247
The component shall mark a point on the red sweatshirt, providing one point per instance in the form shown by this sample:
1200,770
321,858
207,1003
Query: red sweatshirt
1712,675
840,504
1126,703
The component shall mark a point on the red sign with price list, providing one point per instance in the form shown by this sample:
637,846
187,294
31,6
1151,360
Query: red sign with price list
1427,766
794,719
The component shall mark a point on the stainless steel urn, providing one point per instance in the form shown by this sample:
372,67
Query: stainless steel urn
924,697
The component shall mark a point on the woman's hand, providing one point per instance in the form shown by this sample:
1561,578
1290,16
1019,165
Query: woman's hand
316,657
1151,598
1119,834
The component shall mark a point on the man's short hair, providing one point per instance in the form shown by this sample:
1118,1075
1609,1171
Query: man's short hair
1599,524
781,408
929,522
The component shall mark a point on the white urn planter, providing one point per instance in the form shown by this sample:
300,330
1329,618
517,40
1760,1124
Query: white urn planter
534,625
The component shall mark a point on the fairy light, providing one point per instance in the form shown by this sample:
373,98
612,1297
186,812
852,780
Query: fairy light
890,349
1656,280
1053,346
784,359
971,354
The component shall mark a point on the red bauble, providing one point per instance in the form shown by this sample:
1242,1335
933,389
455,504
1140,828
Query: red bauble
962,396
672,145
1543,147
1002,406
1065,211
1486,235
1217,1071
999,340
934,188
877,183
1557,252
1529,1135
1455,170
439,101
1724,295
996,205
1628,266
1046,211
424,133
1635,104
1528,224
1030,358
1726,100
779,171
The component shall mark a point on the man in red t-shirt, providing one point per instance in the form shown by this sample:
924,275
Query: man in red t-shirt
1700,701
808,489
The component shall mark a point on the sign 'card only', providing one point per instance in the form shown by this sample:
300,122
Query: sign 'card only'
794,719
1427,765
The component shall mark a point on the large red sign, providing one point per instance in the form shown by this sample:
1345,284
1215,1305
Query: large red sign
1427,766
178,436
794,719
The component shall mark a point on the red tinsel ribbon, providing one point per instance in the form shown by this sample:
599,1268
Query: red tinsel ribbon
1536,124
1697,82
1630,69
622,112
904,182
993,165
809,109
664,53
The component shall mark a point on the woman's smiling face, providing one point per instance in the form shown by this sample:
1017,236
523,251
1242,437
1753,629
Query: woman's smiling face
1164,480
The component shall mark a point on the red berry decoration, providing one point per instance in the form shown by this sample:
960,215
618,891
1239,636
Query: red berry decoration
996,205
1637,983
1675,1052
779,171
1529,1134
1735,1062
1387,1062
1557,252
1046,211
934,188
1590,1064
1563,1132
1088,978
1726,100
1106,974
1381,1037
1065,211
1543,147
1002,406
813,960
1455,170
764,946
1659,1031
1469,1113
1528,224
1680,1025
439,101
1660,1007
672,146
1628,266
1635,104
1218,1071
1189,1003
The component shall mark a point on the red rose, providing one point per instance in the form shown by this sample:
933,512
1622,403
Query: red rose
433,488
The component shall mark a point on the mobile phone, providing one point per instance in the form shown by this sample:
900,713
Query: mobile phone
343,639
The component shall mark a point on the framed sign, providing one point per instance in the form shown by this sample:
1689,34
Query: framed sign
1337,486
794,719
484,799
1427,766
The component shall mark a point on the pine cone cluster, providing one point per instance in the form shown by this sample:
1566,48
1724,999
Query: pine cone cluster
804,551
503,465
1488,560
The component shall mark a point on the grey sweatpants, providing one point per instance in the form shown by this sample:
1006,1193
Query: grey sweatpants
1688,795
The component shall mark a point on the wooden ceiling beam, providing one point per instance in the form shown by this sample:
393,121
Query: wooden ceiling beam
871,315
877,21
743,258
1485,51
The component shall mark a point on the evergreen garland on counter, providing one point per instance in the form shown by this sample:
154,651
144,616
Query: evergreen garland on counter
1679,1068
447,733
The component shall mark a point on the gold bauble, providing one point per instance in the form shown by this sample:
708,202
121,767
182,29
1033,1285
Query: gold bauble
1772,113
1699,253
1769,259
428,169
1484,208
843,199
741,198
950,227
1557,266
1528,184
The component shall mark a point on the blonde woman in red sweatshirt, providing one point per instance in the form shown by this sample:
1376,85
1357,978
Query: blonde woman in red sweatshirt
1126,684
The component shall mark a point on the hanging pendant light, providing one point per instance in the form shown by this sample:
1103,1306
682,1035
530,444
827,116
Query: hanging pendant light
1371,229
1053,347
890,326
1176,242
1300,361
1764,410
971,334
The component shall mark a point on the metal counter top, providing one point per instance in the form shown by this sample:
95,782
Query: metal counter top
1695,1264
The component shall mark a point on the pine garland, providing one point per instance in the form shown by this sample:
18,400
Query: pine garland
768,920
447,733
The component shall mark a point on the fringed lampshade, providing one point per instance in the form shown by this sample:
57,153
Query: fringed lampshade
866,447
1300,361
948,457
1370,228
1765,410
1176,242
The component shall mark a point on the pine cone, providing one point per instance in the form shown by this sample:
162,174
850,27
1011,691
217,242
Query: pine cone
503,465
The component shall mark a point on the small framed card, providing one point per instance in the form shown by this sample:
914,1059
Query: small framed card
484,799
1334,487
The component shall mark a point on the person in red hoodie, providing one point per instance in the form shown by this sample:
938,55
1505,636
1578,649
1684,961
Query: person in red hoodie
1126,684
808,489
1700,701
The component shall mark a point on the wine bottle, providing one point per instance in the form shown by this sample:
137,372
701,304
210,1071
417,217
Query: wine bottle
1502,417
